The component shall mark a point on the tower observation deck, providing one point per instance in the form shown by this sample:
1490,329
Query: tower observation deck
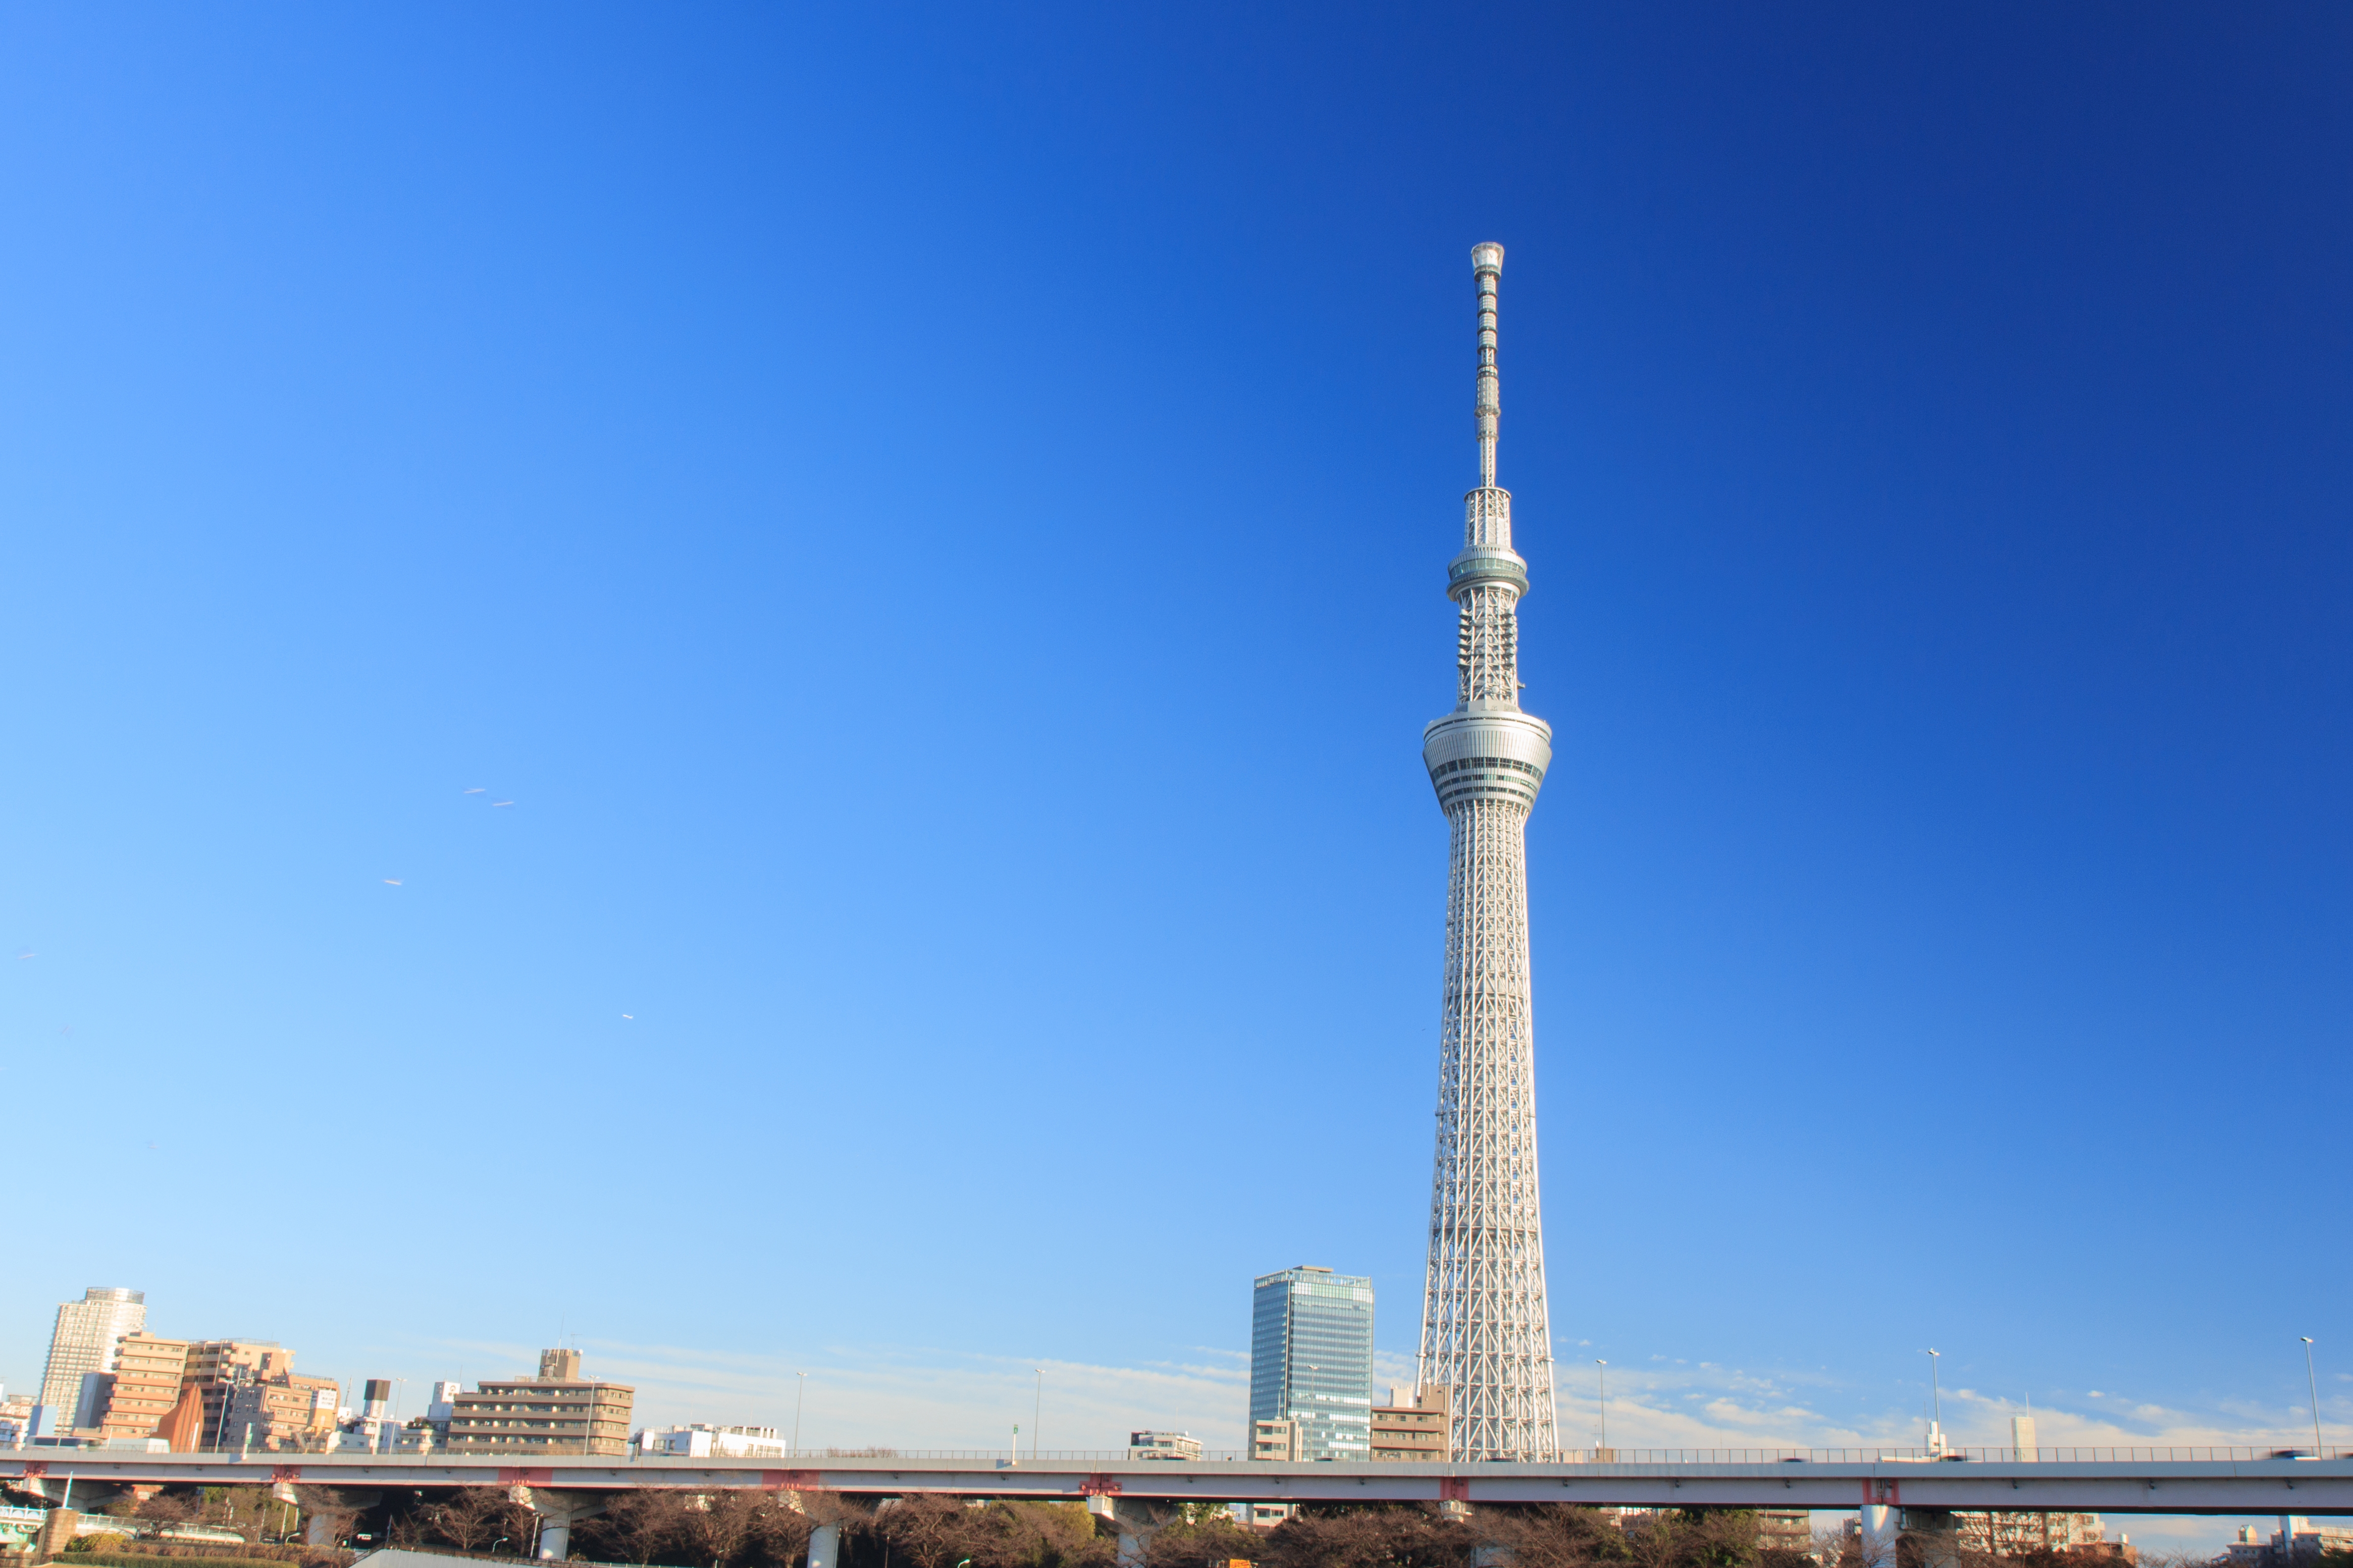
1485,1333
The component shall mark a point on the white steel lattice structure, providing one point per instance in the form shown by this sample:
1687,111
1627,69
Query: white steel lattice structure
1485,1334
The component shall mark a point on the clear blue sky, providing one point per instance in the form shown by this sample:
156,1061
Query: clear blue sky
936,519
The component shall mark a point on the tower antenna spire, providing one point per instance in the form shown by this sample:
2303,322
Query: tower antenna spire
1487,266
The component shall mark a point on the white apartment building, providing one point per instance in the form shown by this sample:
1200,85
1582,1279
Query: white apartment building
698,1441
1163,1446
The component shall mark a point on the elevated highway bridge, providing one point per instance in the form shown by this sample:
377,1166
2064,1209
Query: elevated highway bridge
2091,1481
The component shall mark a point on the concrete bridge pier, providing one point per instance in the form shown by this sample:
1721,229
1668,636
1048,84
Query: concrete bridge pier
825,1546
1878,1542
1137,1520
330,1512
558,1513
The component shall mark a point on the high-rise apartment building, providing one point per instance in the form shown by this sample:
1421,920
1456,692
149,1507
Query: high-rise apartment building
558,1412
1311,1359
83,1343
134,1398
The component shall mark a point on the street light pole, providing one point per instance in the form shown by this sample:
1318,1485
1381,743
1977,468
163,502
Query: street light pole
1602,1374
1036,1415
801,1394
1936,1392
2312,1382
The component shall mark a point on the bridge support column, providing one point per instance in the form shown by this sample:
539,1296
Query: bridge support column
1878,1543
825,1546
1137,1520
330,1511
558,1513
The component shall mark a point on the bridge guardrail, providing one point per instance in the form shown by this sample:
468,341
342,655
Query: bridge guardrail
2047,1454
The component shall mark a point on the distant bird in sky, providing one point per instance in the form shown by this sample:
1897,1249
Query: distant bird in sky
392,881
477,790
501,803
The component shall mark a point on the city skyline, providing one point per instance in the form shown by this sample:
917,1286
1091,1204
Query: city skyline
1927,433
860,1406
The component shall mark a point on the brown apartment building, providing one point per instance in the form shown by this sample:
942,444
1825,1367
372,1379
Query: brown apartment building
134,1398
1412,1425
283,1412
558,1412
217,1366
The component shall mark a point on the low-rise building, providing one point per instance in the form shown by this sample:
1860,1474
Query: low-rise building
1163,1446
558,1412
1412,1425
373,1430
696,1441
2010,1534
1785,1529
2302,1542
441,1403
1278,1440
16,1420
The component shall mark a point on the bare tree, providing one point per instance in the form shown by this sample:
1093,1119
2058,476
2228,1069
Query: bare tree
1411,1536
1208,1536
639,1527
718,1526
475,1517
921,1529
1552,1535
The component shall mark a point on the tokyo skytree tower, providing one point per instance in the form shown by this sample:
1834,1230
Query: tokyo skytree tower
1486,1336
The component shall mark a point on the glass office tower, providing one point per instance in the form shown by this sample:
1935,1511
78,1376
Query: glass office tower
1311,1359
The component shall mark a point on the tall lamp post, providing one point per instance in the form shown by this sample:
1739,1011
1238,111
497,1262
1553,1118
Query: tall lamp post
798,1396
2312,1382
1936,1395
1601,1402
1036,1415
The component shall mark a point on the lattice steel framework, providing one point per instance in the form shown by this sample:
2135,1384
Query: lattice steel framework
1486,1337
